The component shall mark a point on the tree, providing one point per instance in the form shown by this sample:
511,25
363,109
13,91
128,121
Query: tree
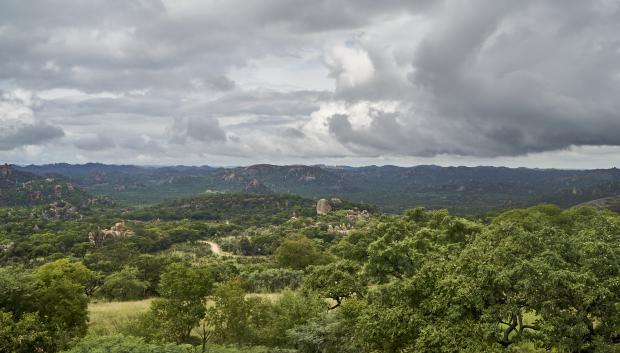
541,275
123,285
175,319
270,320
61,299
547,275
184,290
230,314
184,282
337,280
298,253
26,335
17,291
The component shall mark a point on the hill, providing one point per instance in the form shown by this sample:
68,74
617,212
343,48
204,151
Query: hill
18,188
607,203
463,190
238,208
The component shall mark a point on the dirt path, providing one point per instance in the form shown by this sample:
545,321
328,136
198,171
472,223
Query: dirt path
215,248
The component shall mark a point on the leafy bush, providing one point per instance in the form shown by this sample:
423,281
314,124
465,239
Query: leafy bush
124,344
273,279
123,285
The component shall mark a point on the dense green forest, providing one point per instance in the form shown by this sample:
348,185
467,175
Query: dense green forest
263,273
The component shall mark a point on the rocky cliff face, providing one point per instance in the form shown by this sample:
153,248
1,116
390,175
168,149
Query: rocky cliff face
255,186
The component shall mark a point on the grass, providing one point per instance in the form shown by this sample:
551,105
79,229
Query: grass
105,316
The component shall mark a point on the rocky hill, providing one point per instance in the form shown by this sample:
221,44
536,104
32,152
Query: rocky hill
463,190
240,208
18,188
607,203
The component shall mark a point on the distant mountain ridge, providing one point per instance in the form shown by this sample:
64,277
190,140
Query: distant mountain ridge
20,188
463,190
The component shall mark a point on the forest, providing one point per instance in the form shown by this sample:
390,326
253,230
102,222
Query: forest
232,273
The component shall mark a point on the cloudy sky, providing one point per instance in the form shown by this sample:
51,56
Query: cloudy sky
236,82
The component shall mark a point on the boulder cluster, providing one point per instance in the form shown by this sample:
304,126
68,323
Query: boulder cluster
117,231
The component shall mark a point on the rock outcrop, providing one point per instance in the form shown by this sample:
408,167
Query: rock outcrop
6,170
255,186
339,229
60,210
323,206
117,231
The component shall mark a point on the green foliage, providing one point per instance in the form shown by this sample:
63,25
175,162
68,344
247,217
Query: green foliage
150,267
61,299
42,310
230,314
298,252
538,275
28,334
328,333
124,344
241,209
17,291
174,319
184,290
337,281
236,317
290,310
123,285
273,279
18,188
184,282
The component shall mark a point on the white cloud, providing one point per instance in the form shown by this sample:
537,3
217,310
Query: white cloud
350,66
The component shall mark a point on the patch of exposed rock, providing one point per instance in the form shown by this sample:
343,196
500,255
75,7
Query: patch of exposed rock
6,170
117,231
257,187
339,229
323,206
60,210
6,246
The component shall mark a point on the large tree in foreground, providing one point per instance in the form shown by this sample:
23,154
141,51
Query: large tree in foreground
184,290
542,275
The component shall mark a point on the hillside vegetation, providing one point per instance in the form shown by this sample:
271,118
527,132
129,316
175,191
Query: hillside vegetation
19,188
462,190
289,280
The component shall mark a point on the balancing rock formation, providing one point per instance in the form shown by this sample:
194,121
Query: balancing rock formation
323,206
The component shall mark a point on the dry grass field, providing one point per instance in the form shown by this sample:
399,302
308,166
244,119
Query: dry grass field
105,316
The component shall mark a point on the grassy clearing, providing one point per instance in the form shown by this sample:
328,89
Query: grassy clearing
105,316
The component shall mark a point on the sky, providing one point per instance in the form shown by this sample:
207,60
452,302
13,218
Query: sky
356,82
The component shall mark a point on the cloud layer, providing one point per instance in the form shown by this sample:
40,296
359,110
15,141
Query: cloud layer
341,81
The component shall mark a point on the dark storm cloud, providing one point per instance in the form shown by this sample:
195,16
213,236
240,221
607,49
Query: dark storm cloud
503,78
21,135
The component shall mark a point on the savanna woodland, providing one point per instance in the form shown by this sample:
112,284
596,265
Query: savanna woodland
235,272
309,176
